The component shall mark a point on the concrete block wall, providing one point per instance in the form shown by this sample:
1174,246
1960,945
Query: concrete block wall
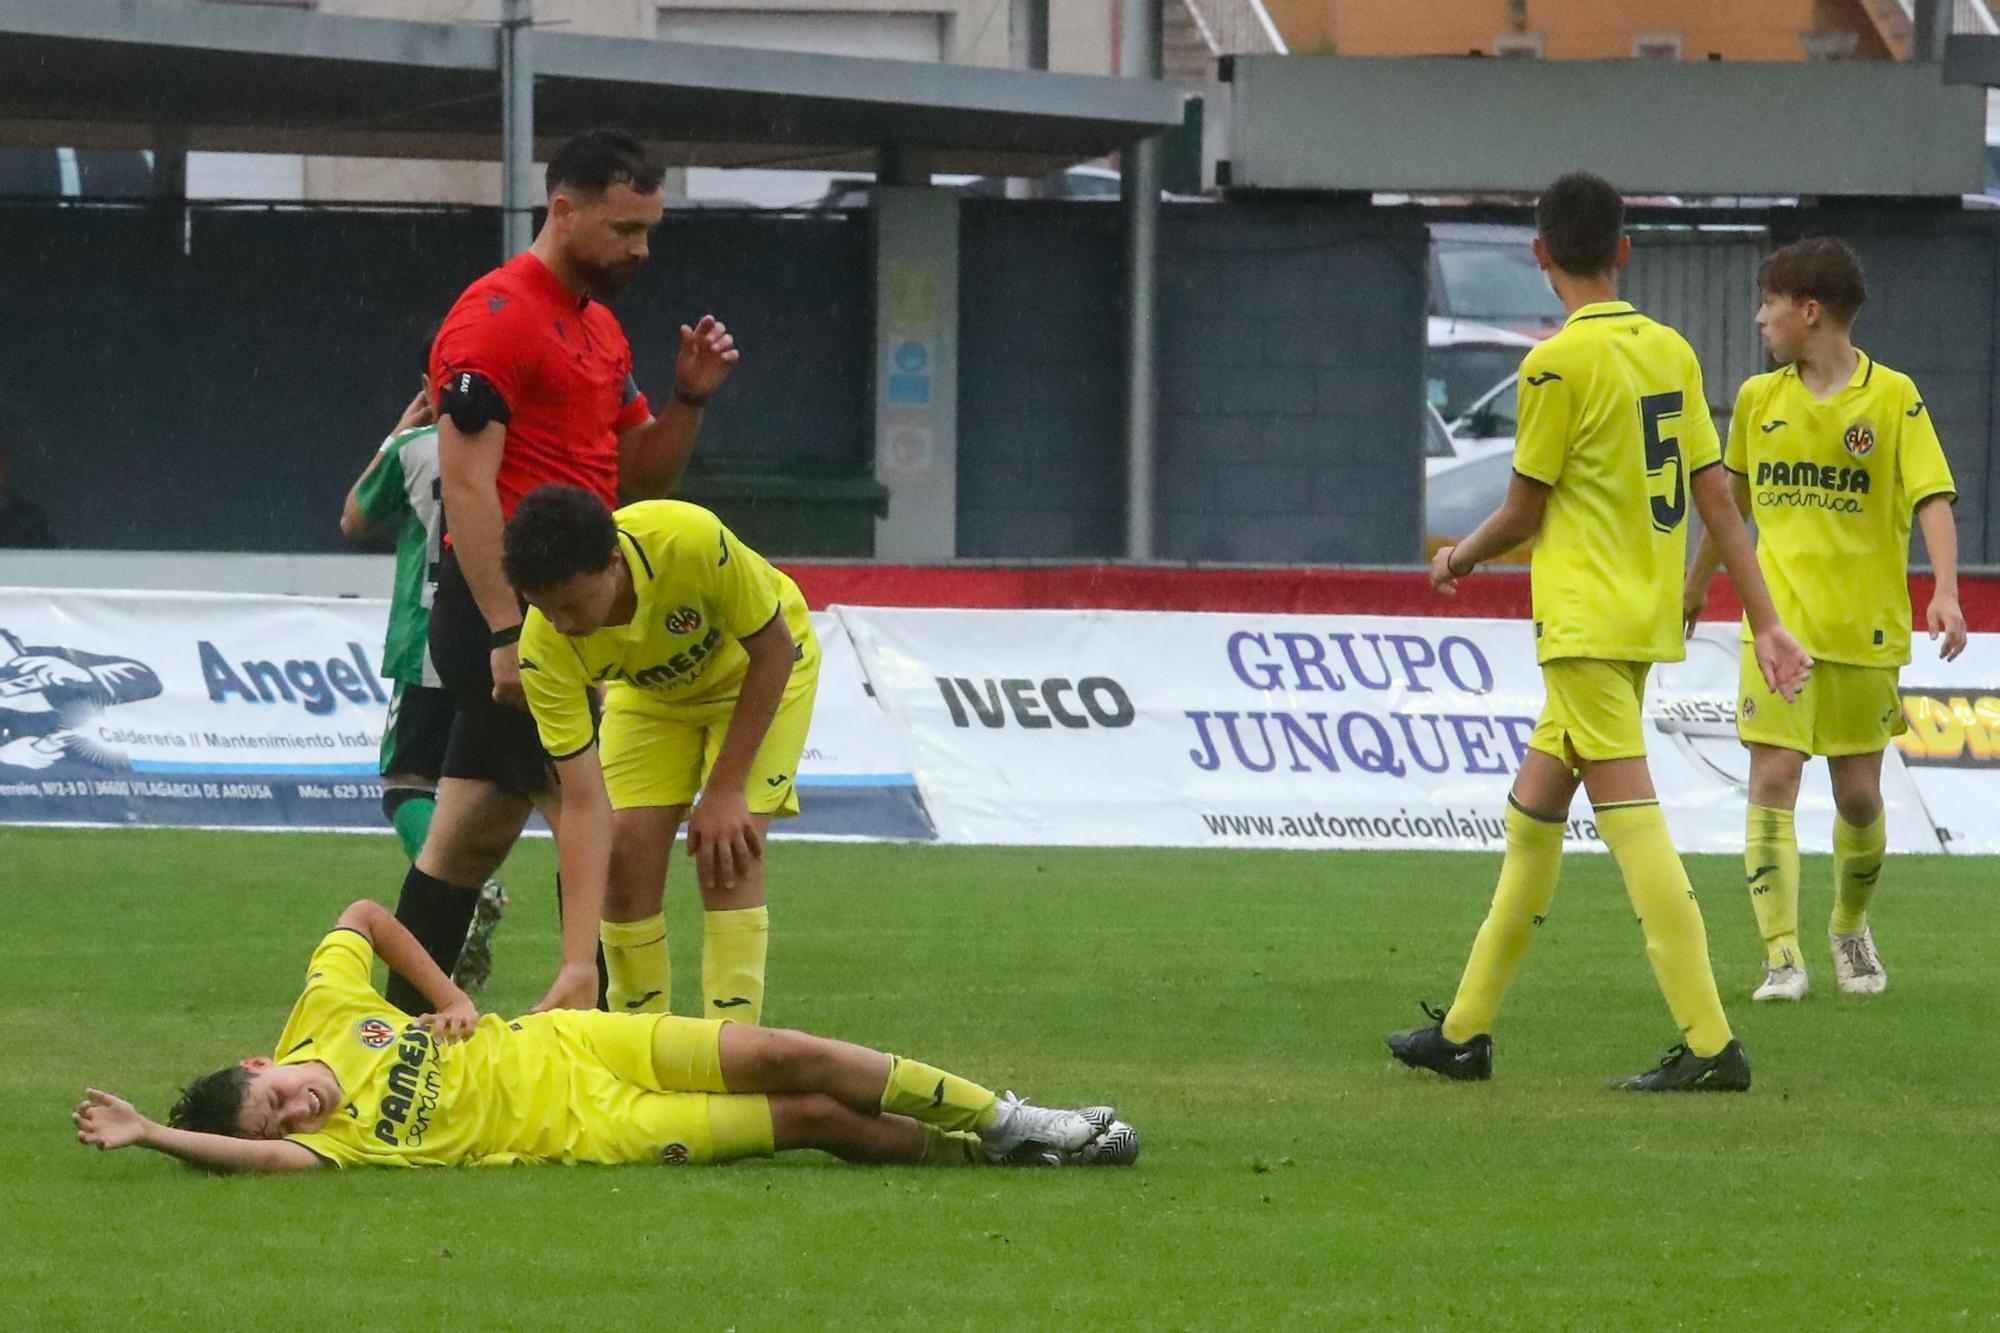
1291,345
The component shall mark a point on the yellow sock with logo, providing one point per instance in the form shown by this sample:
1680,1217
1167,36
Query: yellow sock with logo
1676,941
639,972
942,1147
1857,865
1771,869
1520,903
925,1092
733,947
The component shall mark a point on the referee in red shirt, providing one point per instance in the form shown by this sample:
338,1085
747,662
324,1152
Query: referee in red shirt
534,383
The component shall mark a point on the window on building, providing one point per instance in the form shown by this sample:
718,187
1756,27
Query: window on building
1521,45
1656,46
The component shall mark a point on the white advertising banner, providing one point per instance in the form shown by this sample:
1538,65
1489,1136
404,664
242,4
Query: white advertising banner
190,708
219,709
1219,730
1953,745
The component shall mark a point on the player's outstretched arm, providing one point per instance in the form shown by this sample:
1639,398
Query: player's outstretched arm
1782,661
583,855
722,833
1940,529
1708,559
1517,520
107,1122
455,1017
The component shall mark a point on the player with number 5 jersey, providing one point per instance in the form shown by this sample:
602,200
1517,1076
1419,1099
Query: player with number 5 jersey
1615,446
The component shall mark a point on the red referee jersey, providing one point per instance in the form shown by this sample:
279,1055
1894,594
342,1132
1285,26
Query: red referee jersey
561,364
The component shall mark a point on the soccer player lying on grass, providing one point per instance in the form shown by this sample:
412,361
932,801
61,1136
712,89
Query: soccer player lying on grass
355,1083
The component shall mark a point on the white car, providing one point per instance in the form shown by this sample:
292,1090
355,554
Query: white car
1490,424
1464,359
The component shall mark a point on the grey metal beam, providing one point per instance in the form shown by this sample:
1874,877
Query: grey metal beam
1652,127
1140,57
288,80
1972,59
517,127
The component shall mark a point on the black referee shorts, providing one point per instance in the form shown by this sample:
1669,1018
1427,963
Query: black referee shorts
490,742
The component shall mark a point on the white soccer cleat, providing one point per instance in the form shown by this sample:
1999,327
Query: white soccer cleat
1021,1133
1784,982
1857,964
1116,1144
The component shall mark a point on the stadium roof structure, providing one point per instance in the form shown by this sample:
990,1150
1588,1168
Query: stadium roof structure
230,78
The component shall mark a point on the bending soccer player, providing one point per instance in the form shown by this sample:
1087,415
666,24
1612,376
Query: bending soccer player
710,667
400,492
1835,452
1614,438
354,1082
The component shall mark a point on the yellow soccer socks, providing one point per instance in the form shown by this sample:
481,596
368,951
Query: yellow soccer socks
1520,903
925,1092
1771,870
1676,941
733,948
944,1148
1857,865
639,973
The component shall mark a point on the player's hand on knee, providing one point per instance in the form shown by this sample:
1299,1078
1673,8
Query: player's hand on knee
723,839
455,1022
575,988
106,1122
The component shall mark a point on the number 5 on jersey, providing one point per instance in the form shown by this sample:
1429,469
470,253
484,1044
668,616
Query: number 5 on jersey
1662,452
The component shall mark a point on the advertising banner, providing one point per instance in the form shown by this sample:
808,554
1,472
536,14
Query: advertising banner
226,710
1215,730
168,708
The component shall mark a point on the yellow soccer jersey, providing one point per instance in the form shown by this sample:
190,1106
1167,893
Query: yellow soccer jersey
700,591
536,1089
1614,420
1833,486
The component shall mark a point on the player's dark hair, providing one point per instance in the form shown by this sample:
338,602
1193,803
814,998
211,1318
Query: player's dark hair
557,533
213,1103
1581,218
596,160
1820,268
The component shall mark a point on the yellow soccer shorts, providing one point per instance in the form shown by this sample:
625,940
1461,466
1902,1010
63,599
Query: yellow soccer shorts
1842,710
658,752
1595,711
669,1103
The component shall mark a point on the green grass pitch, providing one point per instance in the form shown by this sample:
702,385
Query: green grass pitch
1232,1004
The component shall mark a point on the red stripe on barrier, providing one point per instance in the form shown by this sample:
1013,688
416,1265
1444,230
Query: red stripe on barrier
1496,596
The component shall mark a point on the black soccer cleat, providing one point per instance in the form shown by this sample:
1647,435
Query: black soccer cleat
1428,1048
1728,1070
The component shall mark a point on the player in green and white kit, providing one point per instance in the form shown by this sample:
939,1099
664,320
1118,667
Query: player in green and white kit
400,492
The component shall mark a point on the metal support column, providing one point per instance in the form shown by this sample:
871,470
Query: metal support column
517,127
1139,198
1930,25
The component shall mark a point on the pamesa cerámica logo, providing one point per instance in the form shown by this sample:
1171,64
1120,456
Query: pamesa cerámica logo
317,685
1396,742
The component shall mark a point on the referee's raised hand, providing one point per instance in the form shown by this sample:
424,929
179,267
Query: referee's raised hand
708,353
